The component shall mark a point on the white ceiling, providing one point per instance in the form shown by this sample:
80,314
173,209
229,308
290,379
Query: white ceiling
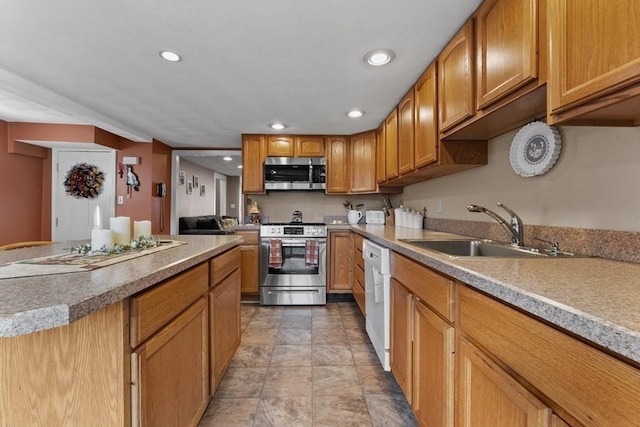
247,63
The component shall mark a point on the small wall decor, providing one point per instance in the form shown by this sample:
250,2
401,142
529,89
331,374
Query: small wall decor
181,178
189,187
535,149
84,181
202,190
132,180
195,180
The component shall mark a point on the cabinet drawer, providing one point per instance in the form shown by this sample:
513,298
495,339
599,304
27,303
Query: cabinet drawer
357,254
250,237
153,308
359,274
224,264
432,288
358,293
569,372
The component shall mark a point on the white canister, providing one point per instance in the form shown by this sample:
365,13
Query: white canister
141,229
417,220
353,216
398,216
121,228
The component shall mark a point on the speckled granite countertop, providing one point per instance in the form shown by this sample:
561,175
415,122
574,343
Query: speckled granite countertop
594,298
41,302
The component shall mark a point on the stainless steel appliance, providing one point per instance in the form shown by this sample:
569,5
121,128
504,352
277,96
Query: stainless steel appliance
294,173
293,264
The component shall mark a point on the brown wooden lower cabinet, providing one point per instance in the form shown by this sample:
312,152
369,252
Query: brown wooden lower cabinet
250,262
340,275
358,273
488,396
170,372
224,304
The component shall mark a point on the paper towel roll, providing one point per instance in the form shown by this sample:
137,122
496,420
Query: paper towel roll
141,229
121,228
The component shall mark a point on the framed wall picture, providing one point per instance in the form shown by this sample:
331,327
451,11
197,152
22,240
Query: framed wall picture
189,187
181,177
202,190
195,181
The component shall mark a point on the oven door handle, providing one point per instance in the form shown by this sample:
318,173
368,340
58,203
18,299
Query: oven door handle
296,242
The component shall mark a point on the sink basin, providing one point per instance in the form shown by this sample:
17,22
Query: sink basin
479,248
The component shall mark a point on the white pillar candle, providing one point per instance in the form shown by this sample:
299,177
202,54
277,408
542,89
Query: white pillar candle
97,220
121,228
141,229
100,238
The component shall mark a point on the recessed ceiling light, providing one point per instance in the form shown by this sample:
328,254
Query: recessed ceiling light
167,55
354,114
277,126
227,158
379,57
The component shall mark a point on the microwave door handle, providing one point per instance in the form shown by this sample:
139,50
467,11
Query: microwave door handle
310,174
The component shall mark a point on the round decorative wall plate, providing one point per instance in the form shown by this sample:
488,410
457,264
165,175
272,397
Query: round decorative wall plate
535,149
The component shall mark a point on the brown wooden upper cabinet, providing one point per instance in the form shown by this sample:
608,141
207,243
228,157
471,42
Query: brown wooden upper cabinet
309,146
391,142
254,151
363,162
426,119
295,146
594,66
507,48
381,157
280,146
406,133
337,165
455,79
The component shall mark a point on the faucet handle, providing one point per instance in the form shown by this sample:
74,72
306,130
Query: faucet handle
509,211
555,246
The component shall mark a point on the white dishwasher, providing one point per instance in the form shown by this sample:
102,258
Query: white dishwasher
377,291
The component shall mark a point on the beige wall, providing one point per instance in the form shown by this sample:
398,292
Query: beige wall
194,204
595,184
314,205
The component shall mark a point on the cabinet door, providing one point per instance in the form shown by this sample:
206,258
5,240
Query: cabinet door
341,263
426,126
595,49
250,269
381,157
224,318
406,133
391,139
401,352
280,146
489,396
506,52
363,163
337,165
433,367
309,146
254,151
170,372
455,79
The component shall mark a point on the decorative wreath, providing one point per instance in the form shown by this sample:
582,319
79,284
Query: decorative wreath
84,181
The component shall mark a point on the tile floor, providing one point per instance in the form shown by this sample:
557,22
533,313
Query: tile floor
306,366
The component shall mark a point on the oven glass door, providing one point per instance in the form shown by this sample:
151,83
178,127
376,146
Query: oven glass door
294,258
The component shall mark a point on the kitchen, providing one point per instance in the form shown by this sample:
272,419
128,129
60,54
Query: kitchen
585,202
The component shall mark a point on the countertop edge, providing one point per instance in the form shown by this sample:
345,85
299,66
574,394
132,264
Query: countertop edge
613,337
29,321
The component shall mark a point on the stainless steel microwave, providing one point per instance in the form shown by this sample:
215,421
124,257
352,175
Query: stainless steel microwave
295,173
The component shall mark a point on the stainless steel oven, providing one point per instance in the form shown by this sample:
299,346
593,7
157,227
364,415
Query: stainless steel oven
293,264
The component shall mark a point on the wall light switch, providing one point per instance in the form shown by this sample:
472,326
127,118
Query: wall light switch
232,205
439,206
121,200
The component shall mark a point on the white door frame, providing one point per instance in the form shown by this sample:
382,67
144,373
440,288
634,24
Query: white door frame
220,197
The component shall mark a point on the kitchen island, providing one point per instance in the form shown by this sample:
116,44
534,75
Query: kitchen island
554,340
120,344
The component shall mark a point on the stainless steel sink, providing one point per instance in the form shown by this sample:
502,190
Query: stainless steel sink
480,248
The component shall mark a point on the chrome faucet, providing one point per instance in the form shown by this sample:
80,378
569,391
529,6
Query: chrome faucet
515,229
